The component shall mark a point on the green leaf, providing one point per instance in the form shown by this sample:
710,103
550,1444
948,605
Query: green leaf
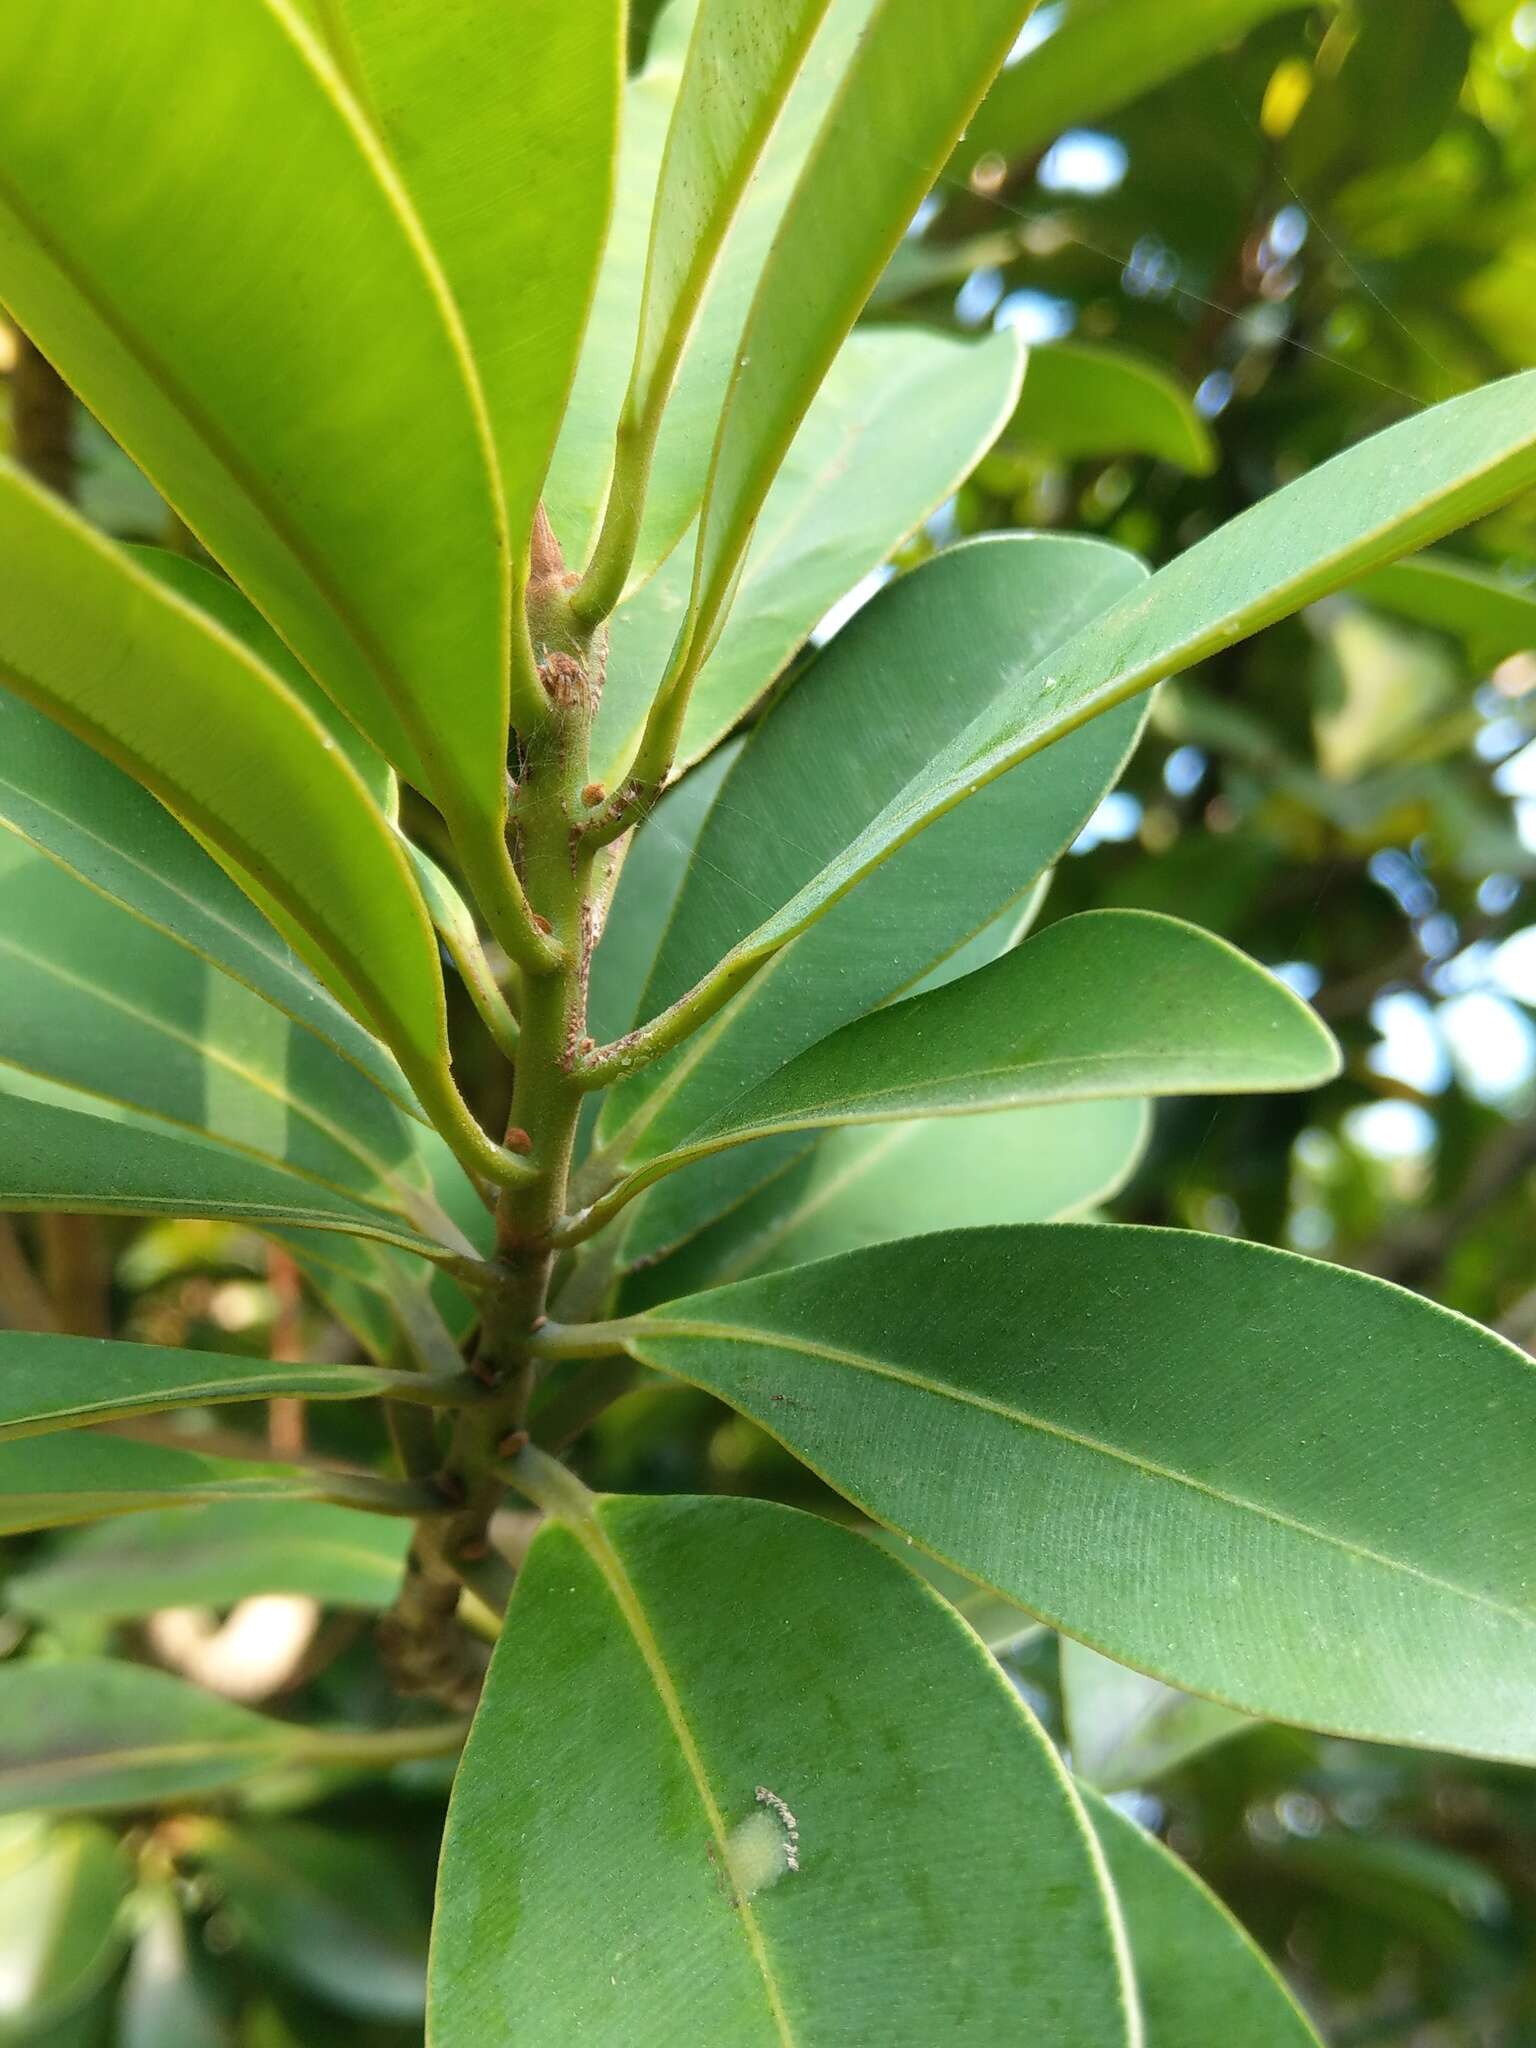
88,1733
1307,1484
857,1187
1079,400
1422,478
271,792
799,794
53,1480
781,1728
165,1996
218,599
1124,1729
101,1003
503,124
1064,80
1492,616
1048,1022
1199,1977
740,65
64,1150
304,400
581,473
335,1915
912,84
214,1556
84,1734
69,801
62,1891
856,481
49,1383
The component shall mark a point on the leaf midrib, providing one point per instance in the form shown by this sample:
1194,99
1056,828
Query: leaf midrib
600,1548
666,1326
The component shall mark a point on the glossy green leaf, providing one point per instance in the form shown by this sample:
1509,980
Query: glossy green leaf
219,599
785,1734
1125,1729
334,1914
214,1556
856,1187
1308,1485
304,400
912,668
84,1734
1422,478
62,1891
52,1481
1047,1022
1080,400
60,1149
72,803
503,122
195,718
455,924
856,481
1064,79
1199,1977
912,84
166,1996
49,1382
1491,615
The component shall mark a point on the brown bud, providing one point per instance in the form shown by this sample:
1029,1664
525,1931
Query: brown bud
518,1140
593,793
514,1441
541,924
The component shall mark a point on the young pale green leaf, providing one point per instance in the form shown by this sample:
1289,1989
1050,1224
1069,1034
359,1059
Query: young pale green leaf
49,1382
913,82
738,71
781,1728
912,669
214,1556
88,1734
304,400
857,480
60,1149
185,709
503,125
1493,617
856,1187
1422,478
1199,1977
1124,1729
53,1481
62,1892
580,476
1307,1485
1064,80
85,813
1081,400
1049,1021
336,1914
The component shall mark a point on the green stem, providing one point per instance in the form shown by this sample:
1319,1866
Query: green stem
613,556
586,1340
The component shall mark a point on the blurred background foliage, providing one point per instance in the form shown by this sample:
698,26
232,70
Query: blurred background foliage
1238,235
